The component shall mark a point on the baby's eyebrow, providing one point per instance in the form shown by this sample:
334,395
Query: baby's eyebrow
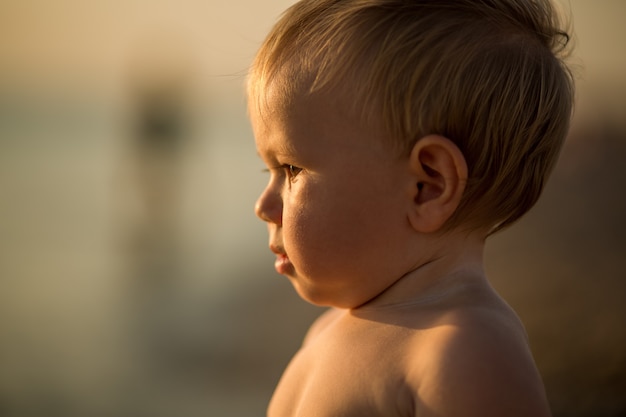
267,157
271,153
261,154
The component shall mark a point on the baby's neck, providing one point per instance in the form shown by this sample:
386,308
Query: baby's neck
454,265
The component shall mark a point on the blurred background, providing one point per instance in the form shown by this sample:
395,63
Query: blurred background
135,279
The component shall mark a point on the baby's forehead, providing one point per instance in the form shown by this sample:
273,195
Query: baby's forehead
283,95
269,98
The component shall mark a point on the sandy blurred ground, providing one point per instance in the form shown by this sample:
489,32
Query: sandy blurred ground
134,278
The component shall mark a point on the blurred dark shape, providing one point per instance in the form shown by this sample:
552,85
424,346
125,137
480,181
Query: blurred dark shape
160,127
161,118
164,346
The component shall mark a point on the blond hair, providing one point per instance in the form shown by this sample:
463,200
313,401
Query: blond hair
487,74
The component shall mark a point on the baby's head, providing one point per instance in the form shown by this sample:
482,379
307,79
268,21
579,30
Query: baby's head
486,74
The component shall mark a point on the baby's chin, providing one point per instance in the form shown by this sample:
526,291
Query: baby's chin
319,297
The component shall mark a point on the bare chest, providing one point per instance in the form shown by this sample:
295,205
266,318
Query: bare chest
345,372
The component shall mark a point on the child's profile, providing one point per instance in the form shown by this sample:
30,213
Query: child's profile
398,136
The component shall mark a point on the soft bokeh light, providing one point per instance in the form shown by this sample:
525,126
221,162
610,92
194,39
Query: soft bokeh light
134,278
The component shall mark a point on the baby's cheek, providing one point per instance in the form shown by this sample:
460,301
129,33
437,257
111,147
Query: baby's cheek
303,229
308,236
323,223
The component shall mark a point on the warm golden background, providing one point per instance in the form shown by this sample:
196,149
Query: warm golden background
134,278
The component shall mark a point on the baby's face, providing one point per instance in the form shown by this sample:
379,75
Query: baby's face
335,203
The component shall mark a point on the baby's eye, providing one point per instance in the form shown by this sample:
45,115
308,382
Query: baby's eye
292,170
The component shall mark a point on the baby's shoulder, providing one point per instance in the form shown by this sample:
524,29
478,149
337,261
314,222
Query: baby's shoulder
474,334
477,358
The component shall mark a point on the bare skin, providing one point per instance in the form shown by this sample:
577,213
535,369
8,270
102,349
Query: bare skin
458,350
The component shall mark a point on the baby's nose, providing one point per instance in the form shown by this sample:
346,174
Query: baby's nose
269,207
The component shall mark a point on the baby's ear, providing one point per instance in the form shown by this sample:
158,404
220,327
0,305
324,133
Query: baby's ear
439,174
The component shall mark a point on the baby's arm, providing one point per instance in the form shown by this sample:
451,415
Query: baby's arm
479,371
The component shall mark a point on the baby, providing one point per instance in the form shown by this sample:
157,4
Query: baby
399,135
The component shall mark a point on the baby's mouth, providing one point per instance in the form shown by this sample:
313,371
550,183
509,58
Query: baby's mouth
282,264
